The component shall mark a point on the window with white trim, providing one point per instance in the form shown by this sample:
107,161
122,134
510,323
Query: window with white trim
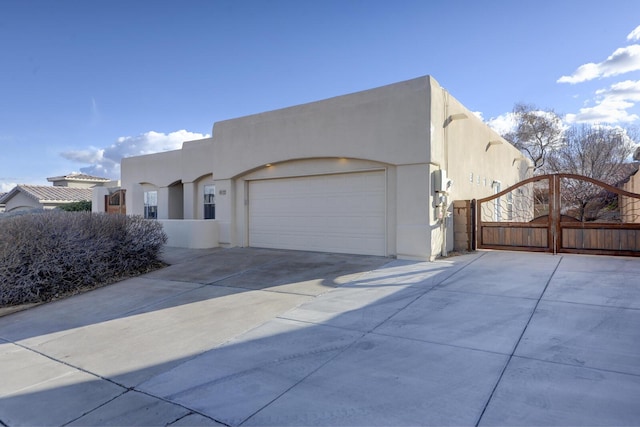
151,204
209,202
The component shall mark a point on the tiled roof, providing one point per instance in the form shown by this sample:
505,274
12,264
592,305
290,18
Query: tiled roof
77,177
43,193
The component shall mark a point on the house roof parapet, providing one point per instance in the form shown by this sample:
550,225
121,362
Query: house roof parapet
78,177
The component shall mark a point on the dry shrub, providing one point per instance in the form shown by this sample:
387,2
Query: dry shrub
53,253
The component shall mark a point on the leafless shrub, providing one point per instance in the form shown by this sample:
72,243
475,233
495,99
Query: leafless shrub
55,253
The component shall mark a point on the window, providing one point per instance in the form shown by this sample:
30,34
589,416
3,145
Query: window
209,202
151,204
117,198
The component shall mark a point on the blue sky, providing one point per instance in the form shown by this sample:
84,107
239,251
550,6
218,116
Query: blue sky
83,83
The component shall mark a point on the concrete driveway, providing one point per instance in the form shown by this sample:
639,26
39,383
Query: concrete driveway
268,337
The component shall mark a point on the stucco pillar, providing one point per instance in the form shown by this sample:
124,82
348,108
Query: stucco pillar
189,199
163,202
135,199
413,198
225,211
97,199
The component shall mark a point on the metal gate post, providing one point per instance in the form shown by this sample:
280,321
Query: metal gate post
554,214
474,222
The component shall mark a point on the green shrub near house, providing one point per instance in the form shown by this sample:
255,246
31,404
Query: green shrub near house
55,253
81,206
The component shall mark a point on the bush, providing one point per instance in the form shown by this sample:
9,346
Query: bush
81,206
53,253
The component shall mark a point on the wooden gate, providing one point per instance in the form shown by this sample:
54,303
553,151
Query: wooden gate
560,213
114,203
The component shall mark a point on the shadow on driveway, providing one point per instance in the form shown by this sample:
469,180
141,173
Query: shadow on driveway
489,338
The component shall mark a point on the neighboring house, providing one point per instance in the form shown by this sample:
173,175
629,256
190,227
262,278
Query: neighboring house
65,189
78,180
364,173
2,206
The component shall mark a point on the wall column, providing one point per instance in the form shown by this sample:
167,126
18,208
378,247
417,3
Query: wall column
413,198
163,203
189,199
97,199
225,211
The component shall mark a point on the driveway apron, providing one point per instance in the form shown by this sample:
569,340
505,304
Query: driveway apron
269,337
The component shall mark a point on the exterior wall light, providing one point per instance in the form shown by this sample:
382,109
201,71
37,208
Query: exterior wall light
518,158
458,116
493,142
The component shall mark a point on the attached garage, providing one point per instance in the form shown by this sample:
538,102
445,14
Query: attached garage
343,212
355,173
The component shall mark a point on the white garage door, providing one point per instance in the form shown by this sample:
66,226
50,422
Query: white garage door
328,213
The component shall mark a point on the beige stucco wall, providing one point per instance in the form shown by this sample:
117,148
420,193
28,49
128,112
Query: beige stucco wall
382,128
468,150
177,175
397,128
384,125
190,233
97,199
159,169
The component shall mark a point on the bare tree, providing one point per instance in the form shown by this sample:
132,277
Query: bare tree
598,152
536,134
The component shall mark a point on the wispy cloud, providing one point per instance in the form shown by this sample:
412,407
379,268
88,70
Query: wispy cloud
95,112
612,105
5,186
634,35
106,161
623,60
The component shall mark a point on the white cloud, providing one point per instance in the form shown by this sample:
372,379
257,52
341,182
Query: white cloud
90,155
612,105
623,60
507,122
105,162
502,124
5,187
478,114
634,35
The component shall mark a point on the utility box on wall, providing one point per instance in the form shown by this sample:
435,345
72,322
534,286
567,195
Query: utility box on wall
441,183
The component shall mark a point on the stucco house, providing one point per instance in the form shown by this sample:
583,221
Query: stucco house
65,189
373,172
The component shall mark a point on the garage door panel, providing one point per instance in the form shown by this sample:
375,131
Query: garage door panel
332,213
